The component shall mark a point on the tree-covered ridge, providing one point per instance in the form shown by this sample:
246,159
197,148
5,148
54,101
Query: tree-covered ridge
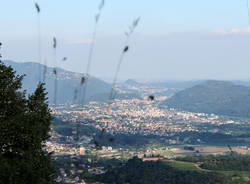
24,124
137,171
239,163
231,162
219,97
98,90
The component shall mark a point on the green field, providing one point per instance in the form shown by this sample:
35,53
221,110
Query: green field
183,165
193,167
237,174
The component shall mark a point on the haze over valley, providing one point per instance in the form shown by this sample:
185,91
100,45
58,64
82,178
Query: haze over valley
125,92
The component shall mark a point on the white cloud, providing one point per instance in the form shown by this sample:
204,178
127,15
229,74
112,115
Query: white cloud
234,31
220,32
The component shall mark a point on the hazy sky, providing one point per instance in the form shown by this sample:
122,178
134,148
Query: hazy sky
175,39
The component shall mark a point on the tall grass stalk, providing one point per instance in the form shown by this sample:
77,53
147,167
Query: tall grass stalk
44,71
38,10
85,78
54,70
248,11
125,49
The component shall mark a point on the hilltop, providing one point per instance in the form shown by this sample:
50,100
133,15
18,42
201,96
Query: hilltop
218,97
132,82
68,81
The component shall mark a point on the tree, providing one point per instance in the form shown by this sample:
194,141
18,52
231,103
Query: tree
24,129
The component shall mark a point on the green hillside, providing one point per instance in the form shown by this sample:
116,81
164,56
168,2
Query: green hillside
67,83
136,171
218,97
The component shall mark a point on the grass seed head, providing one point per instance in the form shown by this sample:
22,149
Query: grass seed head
54,71
151,97
125,49
136,21
54,42
83,80
37,8
101,5
97,16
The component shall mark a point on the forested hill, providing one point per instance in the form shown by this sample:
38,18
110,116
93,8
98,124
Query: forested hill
67,83
218,97
136,171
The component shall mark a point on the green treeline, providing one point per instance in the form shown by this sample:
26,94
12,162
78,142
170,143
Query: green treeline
232,162
24,124
137,171
228,164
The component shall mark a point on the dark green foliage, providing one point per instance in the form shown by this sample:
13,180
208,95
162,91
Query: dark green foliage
24,125
137,171
233,162
239,163
219,97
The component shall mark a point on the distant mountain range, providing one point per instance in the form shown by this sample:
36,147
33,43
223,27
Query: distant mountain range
146,88
218,97
178,84
132,82
97,89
